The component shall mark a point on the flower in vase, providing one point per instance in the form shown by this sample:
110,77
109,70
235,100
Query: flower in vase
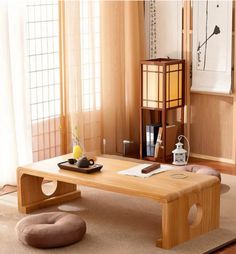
77,149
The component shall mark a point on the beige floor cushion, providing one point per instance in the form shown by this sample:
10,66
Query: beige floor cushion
50,230
201,169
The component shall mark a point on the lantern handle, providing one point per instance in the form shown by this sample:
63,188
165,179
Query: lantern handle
179,138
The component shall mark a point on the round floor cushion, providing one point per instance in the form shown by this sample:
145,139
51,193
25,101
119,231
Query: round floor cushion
201,169
50,230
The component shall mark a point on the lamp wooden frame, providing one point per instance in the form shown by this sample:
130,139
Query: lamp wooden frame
163,62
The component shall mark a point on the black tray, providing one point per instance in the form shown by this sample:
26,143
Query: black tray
73,167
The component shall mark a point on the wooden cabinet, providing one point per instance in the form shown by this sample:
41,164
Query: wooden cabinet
162,92
152,116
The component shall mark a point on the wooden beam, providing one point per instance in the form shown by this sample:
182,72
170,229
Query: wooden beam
186,48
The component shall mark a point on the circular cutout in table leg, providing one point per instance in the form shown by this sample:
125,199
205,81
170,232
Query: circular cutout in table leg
48,187
195,215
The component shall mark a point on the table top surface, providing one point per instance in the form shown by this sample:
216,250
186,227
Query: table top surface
163,187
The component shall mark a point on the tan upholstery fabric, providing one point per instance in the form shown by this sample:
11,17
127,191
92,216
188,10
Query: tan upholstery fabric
50,230
201,169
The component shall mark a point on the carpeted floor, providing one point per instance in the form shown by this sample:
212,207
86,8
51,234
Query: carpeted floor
6,189
120,224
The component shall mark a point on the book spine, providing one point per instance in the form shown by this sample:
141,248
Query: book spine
148,140
151,128
152,150
158,145
156,129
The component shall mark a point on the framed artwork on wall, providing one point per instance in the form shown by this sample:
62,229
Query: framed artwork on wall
212,44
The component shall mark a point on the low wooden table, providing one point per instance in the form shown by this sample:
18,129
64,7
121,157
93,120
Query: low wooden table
174,193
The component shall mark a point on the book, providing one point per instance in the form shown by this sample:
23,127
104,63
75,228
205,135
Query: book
158,143
171,137
151,137
154,128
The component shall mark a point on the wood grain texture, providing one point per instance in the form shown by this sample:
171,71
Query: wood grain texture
176,195
212,125
175,216
162,187
226,168
31,197
211,118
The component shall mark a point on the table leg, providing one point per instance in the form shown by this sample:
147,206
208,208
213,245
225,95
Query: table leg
175,225
31,197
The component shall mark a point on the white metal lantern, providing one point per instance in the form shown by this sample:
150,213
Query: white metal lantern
180,155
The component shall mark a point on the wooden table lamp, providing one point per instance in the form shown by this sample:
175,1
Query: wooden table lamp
162,88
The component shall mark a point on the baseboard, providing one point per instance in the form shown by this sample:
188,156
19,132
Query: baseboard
212,158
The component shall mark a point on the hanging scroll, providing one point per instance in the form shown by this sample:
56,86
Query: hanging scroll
163,26
212,38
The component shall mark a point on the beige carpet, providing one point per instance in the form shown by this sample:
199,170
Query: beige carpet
119,224
7,189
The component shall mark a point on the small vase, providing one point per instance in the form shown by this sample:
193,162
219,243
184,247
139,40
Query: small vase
77,152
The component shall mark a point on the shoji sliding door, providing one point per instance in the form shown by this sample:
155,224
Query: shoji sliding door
42,29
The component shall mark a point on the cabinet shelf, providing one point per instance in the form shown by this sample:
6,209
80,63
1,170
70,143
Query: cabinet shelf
172,129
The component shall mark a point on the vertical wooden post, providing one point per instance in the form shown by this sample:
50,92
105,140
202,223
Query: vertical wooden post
234,88
141,116
164,113
184,98
187,56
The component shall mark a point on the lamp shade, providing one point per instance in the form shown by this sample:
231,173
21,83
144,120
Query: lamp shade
162,83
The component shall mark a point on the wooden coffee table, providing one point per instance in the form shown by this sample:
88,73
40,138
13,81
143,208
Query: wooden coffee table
175,190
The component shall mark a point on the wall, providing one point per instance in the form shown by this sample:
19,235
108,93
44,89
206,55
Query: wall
211,125
211,119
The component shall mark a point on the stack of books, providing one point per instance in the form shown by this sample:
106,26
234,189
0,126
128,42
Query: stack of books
154,131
